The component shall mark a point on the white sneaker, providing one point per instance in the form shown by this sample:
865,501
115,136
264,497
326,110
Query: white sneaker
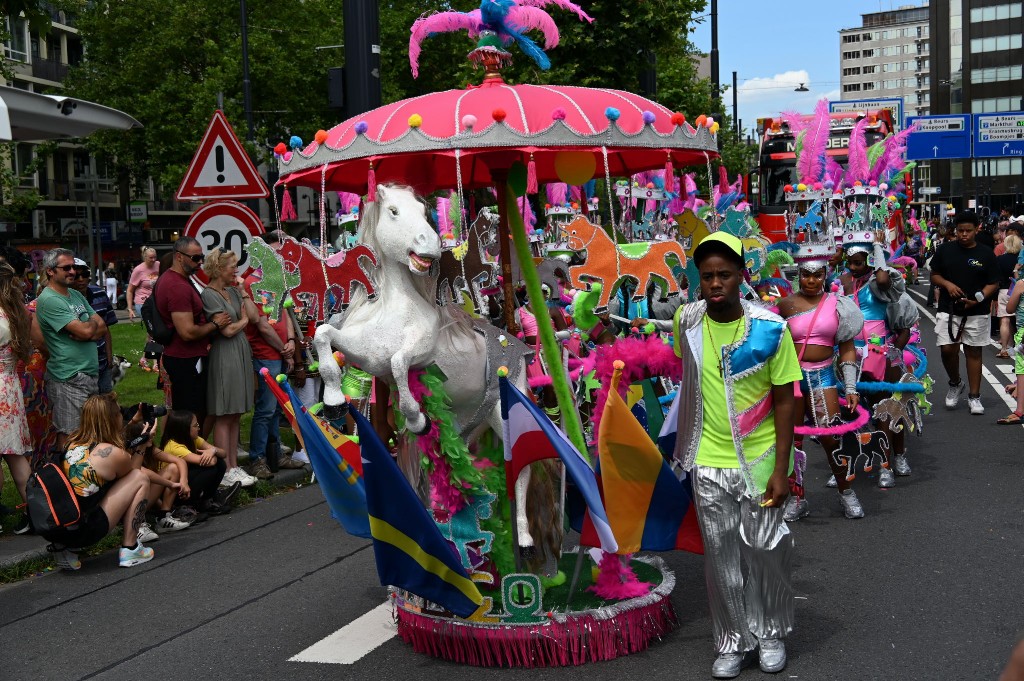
230,477
242,477
171,524
146,533
954,393
300,456
286,450
975,404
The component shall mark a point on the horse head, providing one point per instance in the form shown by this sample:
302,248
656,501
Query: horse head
579,233
395,226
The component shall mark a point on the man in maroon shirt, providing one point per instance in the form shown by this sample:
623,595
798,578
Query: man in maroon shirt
180,306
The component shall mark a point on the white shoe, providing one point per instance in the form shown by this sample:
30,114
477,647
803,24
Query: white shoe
975,404
230,477
146,533
242,477
300,456
286,450
831,481
954,393
171,524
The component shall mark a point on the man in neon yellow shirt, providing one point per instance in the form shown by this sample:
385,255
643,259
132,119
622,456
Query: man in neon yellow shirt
735,435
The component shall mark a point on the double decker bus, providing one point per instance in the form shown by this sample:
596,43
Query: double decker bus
777,161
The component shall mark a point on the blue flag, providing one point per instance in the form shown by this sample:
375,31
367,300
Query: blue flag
410,551
341,484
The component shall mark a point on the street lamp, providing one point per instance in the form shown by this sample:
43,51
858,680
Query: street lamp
802,88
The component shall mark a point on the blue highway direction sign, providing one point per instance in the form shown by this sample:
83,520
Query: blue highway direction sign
939,137
999,134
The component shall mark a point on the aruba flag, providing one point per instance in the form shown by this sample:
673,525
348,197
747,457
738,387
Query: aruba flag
340,483
649,508
410,551
530,436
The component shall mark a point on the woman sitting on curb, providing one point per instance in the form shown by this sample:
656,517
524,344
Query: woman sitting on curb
205,463
109,490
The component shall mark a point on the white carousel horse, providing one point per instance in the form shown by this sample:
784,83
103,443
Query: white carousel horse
403,328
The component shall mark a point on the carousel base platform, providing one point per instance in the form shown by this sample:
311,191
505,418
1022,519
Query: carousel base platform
528,630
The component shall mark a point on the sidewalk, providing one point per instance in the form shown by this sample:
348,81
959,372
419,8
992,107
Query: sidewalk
16,549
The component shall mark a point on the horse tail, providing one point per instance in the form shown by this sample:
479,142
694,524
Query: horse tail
543,513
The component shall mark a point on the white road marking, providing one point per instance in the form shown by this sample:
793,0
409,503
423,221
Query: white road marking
354,640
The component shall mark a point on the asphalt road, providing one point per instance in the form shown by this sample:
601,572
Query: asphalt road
927,586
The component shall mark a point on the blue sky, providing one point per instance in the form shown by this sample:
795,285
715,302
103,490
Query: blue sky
774,47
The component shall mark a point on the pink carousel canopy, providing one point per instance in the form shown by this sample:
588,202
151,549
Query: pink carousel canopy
488,127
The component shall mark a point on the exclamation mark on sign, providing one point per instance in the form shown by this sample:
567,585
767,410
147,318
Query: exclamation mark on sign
218,152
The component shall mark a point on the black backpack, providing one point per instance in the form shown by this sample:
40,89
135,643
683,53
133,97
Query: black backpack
154,323
51,501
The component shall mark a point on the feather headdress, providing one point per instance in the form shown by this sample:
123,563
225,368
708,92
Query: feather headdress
810,162
557,193
509,20
857,168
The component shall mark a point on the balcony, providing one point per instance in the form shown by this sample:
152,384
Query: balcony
78,191
49,70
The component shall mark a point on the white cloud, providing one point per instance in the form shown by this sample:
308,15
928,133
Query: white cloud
763,97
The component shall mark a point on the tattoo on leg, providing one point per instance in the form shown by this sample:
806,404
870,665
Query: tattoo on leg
140,516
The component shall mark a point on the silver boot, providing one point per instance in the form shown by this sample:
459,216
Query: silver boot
851,504
886,479
902,466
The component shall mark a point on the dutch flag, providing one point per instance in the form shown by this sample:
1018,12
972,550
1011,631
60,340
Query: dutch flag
530,436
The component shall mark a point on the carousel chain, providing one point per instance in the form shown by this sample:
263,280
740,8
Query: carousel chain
608,187
323,232
463,227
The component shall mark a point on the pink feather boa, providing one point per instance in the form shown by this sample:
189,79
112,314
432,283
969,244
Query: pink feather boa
644,357
616,581
843,429
443,494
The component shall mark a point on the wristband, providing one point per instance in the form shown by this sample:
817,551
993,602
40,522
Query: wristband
849,371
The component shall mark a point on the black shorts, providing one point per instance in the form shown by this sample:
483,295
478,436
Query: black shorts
93,526
188,386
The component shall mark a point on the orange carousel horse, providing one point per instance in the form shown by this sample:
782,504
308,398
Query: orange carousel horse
608,263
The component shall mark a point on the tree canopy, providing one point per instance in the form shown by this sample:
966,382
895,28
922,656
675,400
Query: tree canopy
167,64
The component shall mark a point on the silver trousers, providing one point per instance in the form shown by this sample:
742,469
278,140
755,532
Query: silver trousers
732,524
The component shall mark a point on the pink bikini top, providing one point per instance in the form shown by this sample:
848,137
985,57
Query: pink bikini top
826,325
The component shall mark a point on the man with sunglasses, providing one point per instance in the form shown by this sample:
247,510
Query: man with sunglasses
180,307
70,327
100,302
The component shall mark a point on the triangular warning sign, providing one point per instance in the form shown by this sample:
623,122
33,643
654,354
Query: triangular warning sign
221,169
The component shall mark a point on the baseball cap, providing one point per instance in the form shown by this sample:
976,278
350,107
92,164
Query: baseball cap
720,242
81,263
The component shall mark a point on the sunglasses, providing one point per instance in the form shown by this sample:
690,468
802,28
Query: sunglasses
198,258
66,268
81,275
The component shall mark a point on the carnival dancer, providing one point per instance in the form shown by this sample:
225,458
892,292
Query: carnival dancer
819,322
734,418
877,289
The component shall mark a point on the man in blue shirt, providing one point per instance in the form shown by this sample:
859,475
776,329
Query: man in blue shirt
100,303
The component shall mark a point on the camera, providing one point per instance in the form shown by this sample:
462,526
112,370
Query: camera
149,411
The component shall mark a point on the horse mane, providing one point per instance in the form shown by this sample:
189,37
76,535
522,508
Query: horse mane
425,287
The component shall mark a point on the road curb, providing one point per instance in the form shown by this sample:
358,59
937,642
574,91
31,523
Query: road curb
16,550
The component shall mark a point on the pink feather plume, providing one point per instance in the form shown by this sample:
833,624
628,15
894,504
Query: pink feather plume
616,581
444,222
557,192
441,22
348,201
532,18
576,194
723,180
857,166
644,357
893,158
833,171
810,165
562,4
690,193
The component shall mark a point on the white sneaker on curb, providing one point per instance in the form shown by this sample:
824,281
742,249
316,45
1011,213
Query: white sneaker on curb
146,533
242,477
169,523
230,477
954,393
975,404
300,456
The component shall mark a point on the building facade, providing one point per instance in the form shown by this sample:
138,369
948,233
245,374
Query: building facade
977,65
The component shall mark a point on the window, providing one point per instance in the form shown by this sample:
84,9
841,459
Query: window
851,38
869,69
852,71
997,166
866,36
997,74
996,12
891,84
996,104
852,87
890,67
869,86
21,159
924,81
909,66
17,46
851,55
868,53
996,43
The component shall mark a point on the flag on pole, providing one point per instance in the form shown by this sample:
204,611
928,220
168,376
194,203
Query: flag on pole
410,551
341,484
530,436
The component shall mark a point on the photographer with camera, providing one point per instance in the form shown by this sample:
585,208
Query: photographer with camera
967,276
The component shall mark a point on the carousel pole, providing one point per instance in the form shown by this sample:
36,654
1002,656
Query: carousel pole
549,346
500,178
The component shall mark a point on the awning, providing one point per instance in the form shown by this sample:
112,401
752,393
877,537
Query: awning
27,116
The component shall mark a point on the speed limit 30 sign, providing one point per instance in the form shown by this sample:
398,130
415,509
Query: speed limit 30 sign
227,225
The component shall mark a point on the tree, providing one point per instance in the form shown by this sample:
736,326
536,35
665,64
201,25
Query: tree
169,64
